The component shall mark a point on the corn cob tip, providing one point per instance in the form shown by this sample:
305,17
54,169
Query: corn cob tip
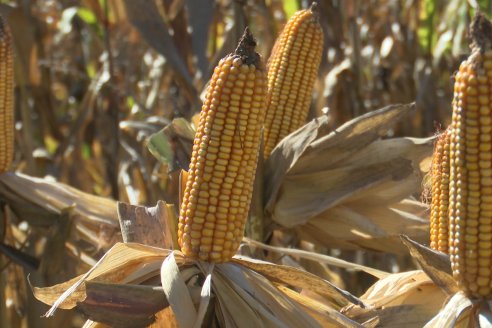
314,8
246,49
481,33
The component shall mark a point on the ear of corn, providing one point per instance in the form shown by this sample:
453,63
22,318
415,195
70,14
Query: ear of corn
470,194
440,194
219,185
6,98
292,69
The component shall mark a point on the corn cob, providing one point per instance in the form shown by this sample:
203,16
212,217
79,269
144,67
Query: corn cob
6,98
440,194
470,189
219,186
292,69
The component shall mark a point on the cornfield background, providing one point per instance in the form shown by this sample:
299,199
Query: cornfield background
96,82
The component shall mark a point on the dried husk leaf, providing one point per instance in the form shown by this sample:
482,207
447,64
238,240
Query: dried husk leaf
124,306
287,153
294,277
238,286
272,305
354,225
56,196
327,316
435,264
408,299
347,188
151,226
319,258
301,149
233,308
123,263
235,294
457,313
177,293
42,202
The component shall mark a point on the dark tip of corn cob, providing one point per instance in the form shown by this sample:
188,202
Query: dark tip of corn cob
314,8
481,33
246,49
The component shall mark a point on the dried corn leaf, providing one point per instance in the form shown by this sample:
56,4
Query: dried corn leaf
231,294
327,316
287,153
308,195
315,144
233,308
294,277
177,293
123,306
408,299
146,225
123,263
18,188
319,258
205,295
243,289
275,308
378,228
435,264
457,313
347,188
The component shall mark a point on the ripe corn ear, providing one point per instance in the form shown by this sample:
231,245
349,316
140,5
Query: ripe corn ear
470,189
6,98
219,186
440,194
292,69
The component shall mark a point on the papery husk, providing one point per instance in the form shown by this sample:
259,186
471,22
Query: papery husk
41,202
240,293
407,299
349,188
243,294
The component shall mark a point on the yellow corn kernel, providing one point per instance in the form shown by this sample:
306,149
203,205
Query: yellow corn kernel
470,180
214,234
292,69
6,98
440,194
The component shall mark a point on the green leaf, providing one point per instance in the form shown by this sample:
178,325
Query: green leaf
160,146
290,7
86,151
86,15
426,27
